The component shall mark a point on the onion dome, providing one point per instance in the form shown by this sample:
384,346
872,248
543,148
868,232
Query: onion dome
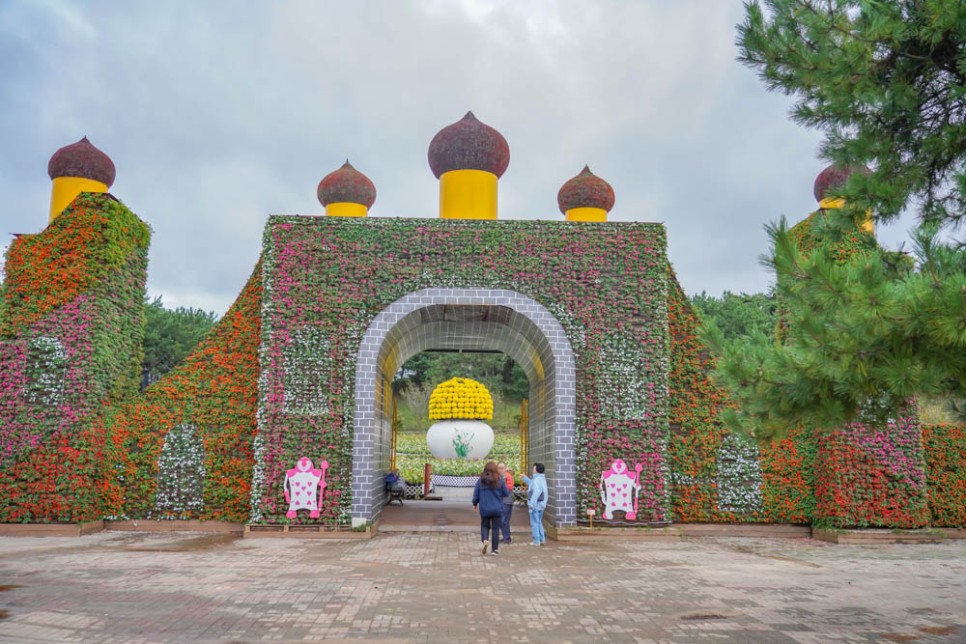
82,160
468,144
586,190
835,176
347,185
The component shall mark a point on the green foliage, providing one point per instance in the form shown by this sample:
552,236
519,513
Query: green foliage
501,375
738,315
885,81
904,334
170,335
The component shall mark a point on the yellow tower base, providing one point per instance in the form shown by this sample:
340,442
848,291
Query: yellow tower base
346,209
66,189
586,214
828,203
467,194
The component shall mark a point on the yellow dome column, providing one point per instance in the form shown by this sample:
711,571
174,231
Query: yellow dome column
585,198
468,194
76,168
65,189
346,209
346,192
586,214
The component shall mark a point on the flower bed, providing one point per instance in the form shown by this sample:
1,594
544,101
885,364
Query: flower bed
412,454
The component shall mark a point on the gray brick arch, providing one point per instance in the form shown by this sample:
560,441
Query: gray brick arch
471,319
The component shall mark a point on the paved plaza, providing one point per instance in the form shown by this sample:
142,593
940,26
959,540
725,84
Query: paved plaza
435,587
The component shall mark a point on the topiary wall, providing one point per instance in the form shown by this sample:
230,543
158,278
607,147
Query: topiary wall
70,347
944,446
77,443
716,476
183,450
326,279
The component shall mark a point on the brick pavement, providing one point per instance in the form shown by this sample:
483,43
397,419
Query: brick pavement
435,587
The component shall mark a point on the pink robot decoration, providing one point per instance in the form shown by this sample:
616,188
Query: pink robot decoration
304,487
619,490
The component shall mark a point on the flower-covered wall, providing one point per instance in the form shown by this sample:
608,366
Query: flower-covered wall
944,446
872,477
183,449
716,476
70,347
326,279
275,379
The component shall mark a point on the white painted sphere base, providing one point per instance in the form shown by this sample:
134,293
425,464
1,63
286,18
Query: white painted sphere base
445,437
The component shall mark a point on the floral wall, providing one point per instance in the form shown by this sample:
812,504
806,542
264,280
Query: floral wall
872,477
183,449
944,446
274,379
715,476
70,347
325,280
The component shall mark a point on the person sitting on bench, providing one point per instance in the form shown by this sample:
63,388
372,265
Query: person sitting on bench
395,486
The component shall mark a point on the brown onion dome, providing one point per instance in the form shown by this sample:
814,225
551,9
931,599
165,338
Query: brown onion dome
347,185
586,190
835,176
468,144
82,160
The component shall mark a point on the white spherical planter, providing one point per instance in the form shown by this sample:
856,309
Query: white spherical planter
446,437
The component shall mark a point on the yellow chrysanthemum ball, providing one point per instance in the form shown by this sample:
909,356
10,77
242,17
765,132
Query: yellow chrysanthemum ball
461,398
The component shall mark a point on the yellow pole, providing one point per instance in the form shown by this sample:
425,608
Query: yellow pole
346,209
524,437
467,194
65,189
395,430
586,214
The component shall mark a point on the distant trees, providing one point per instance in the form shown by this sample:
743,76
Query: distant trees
499,372
169,336
738,315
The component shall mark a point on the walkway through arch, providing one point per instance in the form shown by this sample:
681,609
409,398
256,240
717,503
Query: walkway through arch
468,319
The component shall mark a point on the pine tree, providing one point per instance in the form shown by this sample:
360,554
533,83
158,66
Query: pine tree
886,81
863,329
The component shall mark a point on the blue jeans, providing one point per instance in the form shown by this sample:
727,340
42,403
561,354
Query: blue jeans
536,525
505,523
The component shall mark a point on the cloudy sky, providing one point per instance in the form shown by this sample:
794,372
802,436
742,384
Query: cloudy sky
220,113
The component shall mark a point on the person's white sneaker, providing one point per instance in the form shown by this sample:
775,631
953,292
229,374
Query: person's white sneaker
484,547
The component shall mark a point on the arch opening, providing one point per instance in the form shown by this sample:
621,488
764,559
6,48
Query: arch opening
467,320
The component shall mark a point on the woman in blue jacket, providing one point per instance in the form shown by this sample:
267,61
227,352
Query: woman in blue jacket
537,497
488,496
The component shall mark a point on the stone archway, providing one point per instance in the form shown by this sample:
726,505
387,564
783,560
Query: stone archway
471,319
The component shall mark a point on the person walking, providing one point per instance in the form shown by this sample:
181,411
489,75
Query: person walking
507,503
537,497
488,496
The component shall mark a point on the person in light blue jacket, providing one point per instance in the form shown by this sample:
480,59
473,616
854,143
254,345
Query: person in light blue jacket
537,497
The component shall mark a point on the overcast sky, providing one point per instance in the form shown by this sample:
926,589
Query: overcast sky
218,114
